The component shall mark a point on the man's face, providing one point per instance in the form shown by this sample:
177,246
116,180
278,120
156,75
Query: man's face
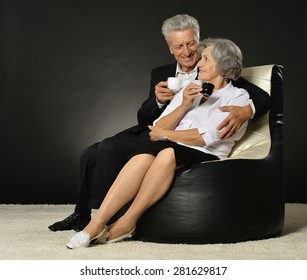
184,46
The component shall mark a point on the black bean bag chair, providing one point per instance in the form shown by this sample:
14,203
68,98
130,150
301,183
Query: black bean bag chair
237,199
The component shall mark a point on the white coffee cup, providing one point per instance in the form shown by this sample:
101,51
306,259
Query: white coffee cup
174,84
197,82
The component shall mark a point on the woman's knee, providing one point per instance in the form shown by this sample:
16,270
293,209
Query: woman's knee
167,156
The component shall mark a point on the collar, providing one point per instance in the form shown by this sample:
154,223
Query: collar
179,70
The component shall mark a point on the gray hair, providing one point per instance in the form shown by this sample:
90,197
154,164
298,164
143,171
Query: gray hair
180,22
227,55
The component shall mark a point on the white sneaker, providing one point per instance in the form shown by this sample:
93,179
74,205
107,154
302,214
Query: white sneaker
82,239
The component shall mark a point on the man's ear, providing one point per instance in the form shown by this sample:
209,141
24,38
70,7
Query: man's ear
171,50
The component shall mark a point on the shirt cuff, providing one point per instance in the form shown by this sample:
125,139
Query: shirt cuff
251,103
210,138
160,105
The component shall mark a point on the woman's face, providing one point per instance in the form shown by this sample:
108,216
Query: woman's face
207,66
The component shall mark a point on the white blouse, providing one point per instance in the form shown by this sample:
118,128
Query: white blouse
206,117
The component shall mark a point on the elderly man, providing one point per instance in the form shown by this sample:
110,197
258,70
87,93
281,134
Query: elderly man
101,162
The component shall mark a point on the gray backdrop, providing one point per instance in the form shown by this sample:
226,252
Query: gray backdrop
75,72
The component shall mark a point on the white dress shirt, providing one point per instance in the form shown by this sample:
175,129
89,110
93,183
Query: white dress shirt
186,77
206,117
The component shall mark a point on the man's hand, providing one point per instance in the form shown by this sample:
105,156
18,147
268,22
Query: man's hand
163,94
237,116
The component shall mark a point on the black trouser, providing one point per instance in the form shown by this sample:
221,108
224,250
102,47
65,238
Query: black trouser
100,165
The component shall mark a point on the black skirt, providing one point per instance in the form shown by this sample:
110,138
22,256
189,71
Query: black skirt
184,155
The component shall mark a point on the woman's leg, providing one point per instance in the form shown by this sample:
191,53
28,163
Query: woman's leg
124,188
155,184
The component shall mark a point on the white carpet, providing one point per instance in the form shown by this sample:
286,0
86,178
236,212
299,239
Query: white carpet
24,235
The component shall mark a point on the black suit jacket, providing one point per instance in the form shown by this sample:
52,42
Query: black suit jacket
149,111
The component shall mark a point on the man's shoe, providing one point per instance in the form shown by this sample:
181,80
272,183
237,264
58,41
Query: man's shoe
73,220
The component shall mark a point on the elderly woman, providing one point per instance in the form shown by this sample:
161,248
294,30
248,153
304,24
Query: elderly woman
185,133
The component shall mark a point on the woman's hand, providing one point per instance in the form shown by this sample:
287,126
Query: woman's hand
191,92
156,133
